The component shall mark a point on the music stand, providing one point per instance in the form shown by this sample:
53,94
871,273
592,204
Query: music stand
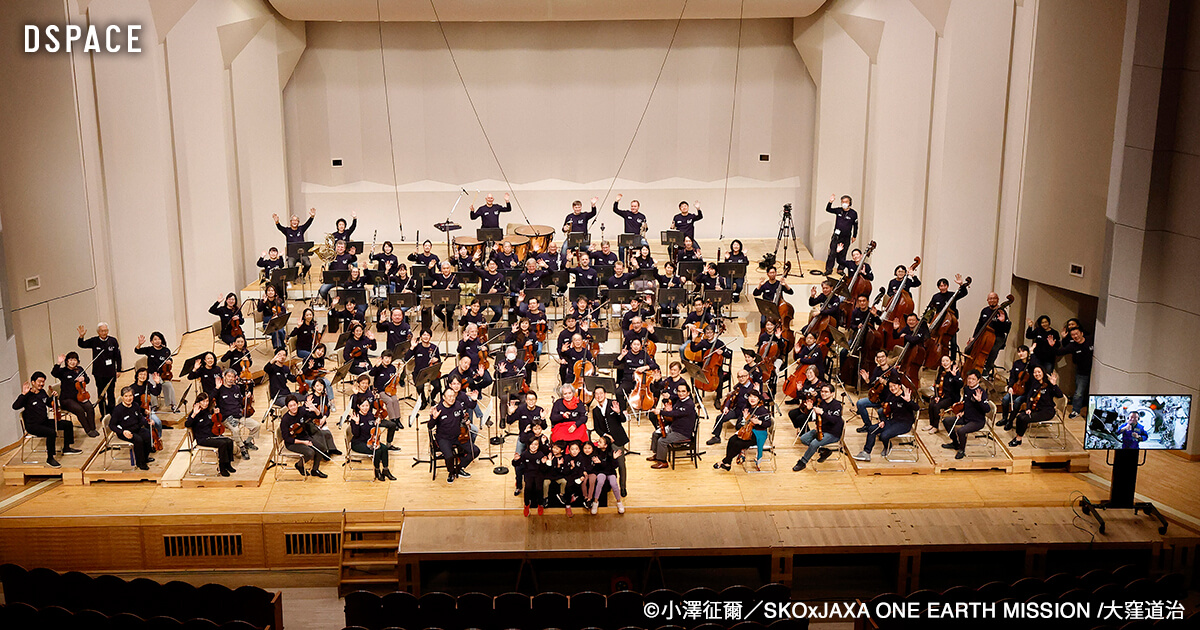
620,296
502,390
283,276
690,269
731,270
599,334
695,371
603,271
335,276
468,277
629,241
589,292
560,278
671,238
376,277
420,274
277,323
719,298
420,380
769,310
578,240
403,300
590,383
191,364
294,250
338,376
542,295
359,295
672,297
341,340
358,246
495,300
512,276
604,360
489,235
671,337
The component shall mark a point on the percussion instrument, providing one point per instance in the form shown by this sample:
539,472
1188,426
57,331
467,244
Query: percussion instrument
520,246
474,246
539,236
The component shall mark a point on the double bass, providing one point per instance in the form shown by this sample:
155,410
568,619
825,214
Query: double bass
976,354
786,310
912,357
857,285
898,309
867,341
943,330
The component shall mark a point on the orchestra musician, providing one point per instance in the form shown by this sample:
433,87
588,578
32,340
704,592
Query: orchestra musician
305,333
341,233
851,266
356,349
35,406
294,233
317,414
635,221
230,397
237,354
972,417
758,415
272,306
229,313
342,261
845,231
737,401
68,372
947,389
901,274
678,415
643,260
737,255
208,373
898,422
575,352
301,445
475,381
386,259
396,327
768,290
1039,402
1011,401
426,258
864,404
578,220
489,213
632,360
446,419
199,420
445,280
158,359
685,221
382,375
362,420
828,413
147,384
1080,348
106,363
130,423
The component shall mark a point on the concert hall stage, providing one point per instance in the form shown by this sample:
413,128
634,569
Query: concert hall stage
273,519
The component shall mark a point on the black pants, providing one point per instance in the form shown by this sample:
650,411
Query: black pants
457,455
1025,418
224,448
936,409
141,440
308,453
84,411
835,255
391,426
533,489
735,446
959,433
106,385
48,431
445,312
798,416
380,454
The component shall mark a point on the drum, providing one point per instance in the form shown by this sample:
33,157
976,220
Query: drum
520,246
539,236
473,245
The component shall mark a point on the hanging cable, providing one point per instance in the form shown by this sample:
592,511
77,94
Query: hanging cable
478,120
671,44
387,102
737,62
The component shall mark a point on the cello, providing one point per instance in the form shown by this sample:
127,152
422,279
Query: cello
583,368
944,327
641,397
976,354
898,309
857,285
154,432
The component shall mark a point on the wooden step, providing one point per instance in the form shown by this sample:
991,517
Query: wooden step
369,544
373,579
356,562
374,527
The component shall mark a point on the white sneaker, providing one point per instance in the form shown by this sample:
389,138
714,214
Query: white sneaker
863,456
620,508
595,507
931,429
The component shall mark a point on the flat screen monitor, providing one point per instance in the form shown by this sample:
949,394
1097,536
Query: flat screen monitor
1128,421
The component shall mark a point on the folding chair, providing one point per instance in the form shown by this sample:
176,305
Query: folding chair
354,457
284,458
1052,432
985,438
112,444
903,448
196,453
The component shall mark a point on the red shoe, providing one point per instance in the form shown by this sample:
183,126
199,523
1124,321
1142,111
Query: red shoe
569,513
526,510
541,510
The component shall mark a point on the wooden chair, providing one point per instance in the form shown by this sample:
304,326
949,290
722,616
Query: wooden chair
688,451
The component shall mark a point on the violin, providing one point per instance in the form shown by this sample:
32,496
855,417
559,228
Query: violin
464,432
244,363
875,393
357,352
298,430
1018,388
164,371
394,382
374,440
484,360
81,392
248,403
746,431
539,331
156,434
218,422
381,412
235,326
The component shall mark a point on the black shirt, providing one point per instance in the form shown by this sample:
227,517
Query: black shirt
122,418
770,289
107,355
909,281
579,222
633,222
447,420
845,226
588,277
279,375
608,422
682,417
559,413
294,235
201,424
66,380
686,223
1081,353
489,215
229,400
832,422
155,357
35,407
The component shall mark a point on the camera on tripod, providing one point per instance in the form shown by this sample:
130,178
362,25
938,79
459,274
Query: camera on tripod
787,210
